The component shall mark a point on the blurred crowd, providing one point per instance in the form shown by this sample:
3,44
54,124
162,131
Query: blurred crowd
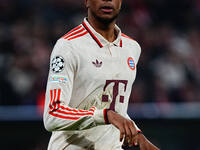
168,32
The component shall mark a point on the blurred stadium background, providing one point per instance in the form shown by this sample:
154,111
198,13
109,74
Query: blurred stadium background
165,100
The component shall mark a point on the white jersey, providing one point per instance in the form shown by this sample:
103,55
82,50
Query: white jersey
87,75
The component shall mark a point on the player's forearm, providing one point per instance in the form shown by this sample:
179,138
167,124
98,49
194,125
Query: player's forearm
56,124
57,120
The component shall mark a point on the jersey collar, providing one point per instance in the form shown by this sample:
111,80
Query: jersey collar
100,40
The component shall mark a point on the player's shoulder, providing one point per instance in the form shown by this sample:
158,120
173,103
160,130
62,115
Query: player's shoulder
73,37
67,44
130,41
75,34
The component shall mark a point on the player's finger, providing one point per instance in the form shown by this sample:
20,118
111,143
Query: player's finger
135,142
133,129
134,133
122,134
128,135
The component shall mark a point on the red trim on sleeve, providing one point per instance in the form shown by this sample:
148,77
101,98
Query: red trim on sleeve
139,131
51,96
58,97
54,101
79,35
105,116
75,114
72,31
57,110
63,117
120,42
126,36
75,110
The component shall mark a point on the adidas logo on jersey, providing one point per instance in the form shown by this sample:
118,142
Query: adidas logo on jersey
97,63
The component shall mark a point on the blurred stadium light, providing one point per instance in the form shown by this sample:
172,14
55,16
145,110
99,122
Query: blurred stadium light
165,110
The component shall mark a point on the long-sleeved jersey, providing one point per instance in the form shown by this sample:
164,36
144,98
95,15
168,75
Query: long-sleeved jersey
87,75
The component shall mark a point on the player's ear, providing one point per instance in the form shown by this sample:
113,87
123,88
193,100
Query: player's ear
86,4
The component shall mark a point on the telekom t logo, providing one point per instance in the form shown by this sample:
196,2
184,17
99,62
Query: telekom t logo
115,92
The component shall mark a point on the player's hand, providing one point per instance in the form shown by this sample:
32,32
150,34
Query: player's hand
127,128
144,144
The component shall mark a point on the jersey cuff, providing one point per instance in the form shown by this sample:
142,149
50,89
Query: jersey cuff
105,111
99,116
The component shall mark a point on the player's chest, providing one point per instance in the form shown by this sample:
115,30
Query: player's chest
107,63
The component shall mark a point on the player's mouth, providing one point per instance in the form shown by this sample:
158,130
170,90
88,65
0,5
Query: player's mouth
107,9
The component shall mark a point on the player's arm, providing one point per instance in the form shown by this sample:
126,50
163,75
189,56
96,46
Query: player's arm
129,131
127,127
141,141
57,113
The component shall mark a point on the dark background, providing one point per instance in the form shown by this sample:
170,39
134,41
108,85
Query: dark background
167,134
165,99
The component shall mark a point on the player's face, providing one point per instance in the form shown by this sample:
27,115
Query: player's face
104,10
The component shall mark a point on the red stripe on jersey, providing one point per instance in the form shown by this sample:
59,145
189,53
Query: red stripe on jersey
61,110
75,114
120,42
79,35
58,98
93,36
82,110
70,35
51,95
104,115
72,30
54,102
69,109
75,110
63,117
126,36
92,109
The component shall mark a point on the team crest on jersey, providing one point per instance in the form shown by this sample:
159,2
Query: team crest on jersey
57,64
131,63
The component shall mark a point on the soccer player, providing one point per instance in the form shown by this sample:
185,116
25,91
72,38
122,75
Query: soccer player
92,69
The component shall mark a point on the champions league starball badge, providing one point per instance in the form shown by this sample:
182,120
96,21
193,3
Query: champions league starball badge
57,64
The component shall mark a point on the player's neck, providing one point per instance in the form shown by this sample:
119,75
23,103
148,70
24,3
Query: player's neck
106,30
